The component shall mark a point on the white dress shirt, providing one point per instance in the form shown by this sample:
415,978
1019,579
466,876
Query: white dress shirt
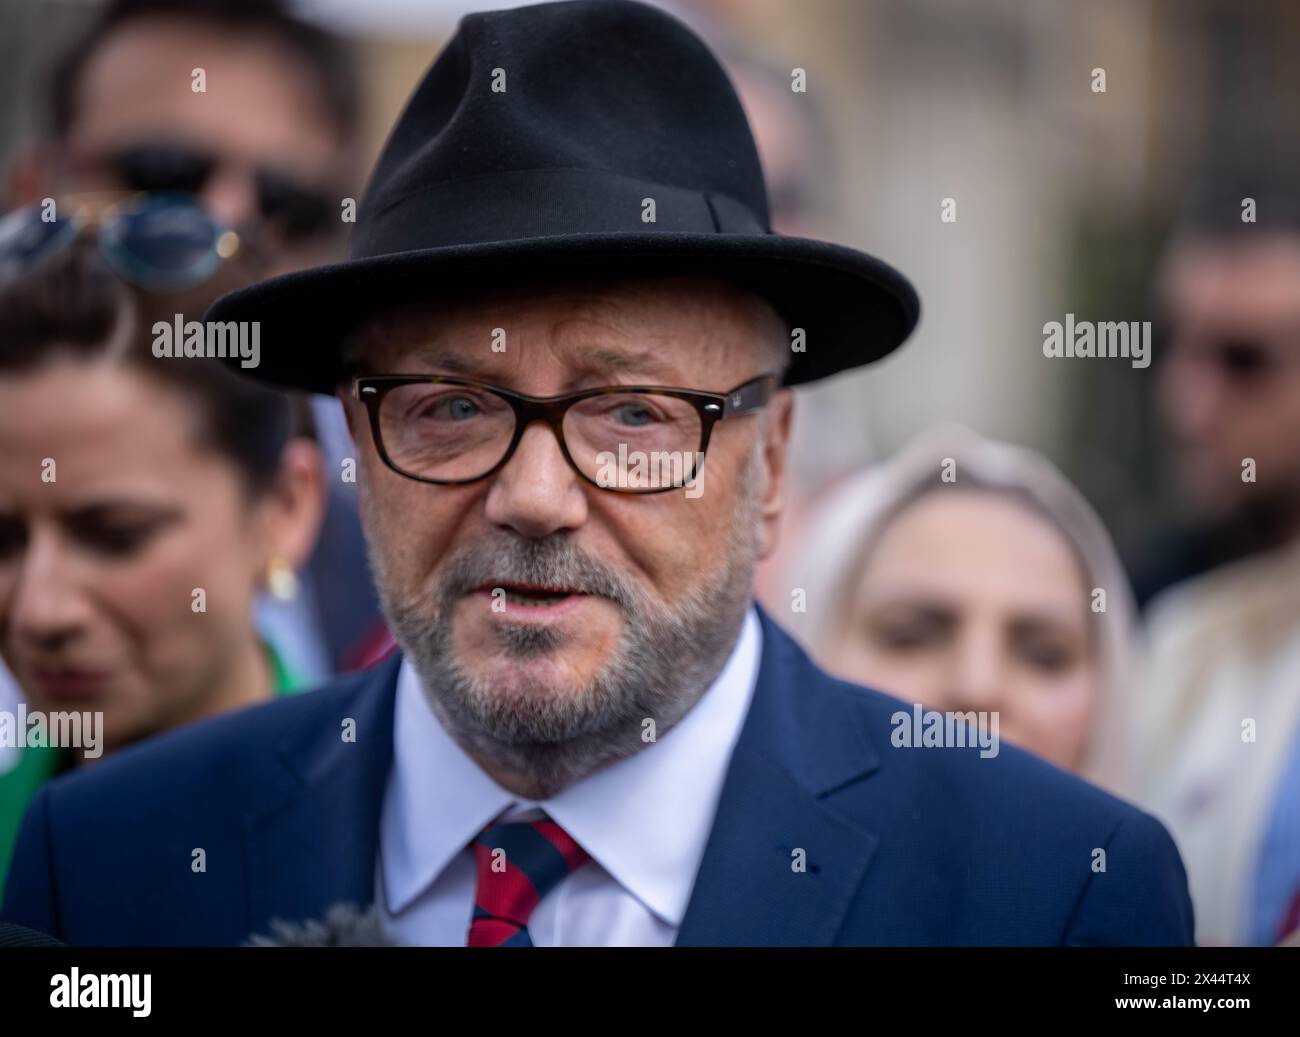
645,821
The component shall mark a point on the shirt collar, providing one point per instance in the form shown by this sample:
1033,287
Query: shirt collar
645,819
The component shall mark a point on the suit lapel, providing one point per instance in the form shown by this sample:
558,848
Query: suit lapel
315,845
804,737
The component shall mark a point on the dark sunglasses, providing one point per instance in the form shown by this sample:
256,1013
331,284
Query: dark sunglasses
162,242
1244,359
297,211
1241,359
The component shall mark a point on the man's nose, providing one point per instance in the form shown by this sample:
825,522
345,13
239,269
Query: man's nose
47,606
537,493
230,197
1192,391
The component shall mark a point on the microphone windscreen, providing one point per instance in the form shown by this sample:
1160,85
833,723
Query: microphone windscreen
344,925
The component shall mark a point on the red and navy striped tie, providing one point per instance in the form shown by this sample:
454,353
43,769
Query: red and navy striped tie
518,863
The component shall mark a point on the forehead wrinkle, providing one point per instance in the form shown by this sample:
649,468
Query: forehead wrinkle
582,325
591,340
595,340
669,329
651,311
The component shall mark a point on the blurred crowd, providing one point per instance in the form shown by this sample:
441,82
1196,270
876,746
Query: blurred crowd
962,572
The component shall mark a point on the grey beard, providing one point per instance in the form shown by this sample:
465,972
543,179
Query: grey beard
547,738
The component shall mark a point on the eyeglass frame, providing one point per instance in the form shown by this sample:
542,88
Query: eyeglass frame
747,398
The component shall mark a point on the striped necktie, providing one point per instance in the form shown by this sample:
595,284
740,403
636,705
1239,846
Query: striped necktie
518,863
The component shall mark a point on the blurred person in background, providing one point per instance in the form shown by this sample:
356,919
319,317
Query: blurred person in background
1220,720
974,593
269,144
1228,296
265,139
171,476
1220,743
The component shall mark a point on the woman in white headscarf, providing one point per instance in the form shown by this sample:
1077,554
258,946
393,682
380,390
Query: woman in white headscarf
966,574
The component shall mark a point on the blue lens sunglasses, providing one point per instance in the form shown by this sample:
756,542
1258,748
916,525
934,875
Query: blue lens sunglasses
159,242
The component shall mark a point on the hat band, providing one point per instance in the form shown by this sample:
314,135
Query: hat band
539,203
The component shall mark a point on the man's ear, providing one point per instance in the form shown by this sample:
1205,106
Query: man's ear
353,414
343,393
776,450
295,506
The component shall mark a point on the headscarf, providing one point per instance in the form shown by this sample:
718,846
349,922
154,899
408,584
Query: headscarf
842,527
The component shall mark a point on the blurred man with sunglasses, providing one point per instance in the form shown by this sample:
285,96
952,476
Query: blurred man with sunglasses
256,114
265,137
1221,701
1228,389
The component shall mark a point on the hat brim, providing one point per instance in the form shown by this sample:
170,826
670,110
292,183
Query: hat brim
854,308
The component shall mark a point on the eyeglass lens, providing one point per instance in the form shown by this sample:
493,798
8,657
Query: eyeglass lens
629,441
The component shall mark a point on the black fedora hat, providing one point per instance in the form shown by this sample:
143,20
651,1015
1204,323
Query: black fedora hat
537,147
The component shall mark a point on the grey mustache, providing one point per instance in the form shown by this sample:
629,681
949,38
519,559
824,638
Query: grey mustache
546,563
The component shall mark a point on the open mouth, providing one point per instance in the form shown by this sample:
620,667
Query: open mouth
532,595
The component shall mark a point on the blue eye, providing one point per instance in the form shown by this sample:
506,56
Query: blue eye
461,408
451,408
633,414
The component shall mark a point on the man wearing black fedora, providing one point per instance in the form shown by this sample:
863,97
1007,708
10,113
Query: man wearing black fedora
565,341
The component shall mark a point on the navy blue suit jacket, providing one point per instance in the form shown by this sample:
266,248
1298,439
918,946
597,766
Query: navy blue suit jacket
902,846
